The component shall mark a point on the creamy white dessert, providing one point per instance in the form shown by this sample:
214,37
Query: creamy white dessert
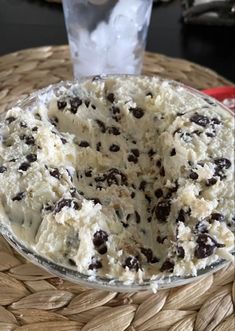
124,178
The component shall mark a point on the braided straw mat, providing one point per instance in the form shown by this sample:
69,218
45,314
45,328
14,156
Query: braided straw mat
32,299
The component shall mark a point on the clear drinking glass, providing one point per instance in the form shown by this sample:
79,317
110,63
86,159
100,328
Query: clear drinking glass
107,36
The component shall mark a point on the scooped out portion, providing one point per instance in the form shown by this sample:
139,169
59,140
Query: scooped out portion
127,178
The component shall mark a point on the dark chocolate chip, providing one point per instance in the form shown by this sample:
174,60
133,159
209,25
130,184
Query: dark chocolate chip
47,207
96,200
173,152
181,216
132,195
114,130
35,129
135,151
65,203
101,125
149,94
55,173
87,103
162,172
115,110
215,121
125,225
111,97
137,112
160,239
10,119
73,191
211,181
137,217
200,120
132,158
151,153
74,104
54,120
23,124
193,175
114,148
24,166
197,132
222,163
99,238
132,263
38,116
167,266
148,253
158,193
93,106
142,185
217,217
19,196
162,210
102,249
98,145
159,163
148,198
29,140
31,157
88,173
180,252
211,134
204,249
95,264
2,169
84,143
61,104
63,140
116,177
71,262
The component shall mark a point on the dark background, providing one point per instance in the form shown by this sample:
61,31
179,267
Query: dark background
32,23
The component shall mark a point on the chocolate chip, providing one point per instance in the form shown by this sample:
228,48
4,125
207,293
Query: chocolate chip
125,225
19,196
162,172
114,130
206,246
148,253
137,112
137,217
23,124
38,116
181,216
180,252
47,207
54,120
35,128
162,210
173,152
84,143
142,185
111,97
148,198
115,110
99,238
95,264
200,120
211,181
132,158
71,262
197,132
93,106
132,195
167,266
55,173
29,140
160,239
149,94
114,148
132,263
98,145
102,249
24,166
65,203
211,134
61,104
222,163
193,175
31,157
116,177
88,173
96,200
215,121
74,104
73,191
151,153
10,119
2,169
135,151
159,163
217,217
158,193
101,125
63,140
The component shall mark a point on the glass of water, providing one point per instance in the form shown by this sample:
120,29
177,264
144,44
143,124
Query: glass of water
107,36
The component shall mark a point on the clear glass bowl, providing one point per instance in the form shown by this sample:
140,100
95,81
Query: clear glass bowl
71,274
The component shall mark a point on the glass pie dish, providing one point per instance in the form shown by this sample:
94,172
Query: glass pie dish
70,273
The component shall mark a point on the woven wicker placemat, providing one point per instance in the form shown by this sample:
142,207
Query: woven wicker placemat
32,299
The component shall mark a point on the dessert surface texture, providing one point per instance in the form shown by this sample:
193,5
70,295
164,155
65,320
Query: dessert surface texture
126,178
